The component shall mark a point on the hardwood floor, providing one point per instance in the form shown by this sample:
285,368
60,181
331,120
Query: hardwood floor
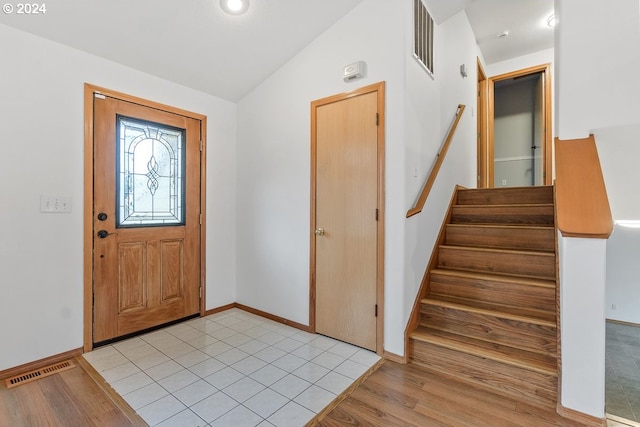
392,395
404,395
74,398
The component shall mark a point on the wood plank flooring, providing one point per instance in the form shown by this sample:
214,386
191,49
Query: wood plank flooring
392,395
74,398
405,395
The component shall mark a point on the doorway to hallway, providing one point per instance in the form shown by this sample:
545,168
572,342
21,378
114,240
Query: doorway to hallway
514,148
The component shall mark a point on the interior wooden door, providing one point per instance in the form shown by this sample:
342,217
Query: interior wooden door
346,214
146,217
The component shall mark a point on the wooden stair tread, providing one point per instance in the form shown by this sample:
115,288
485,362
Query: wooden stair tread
525,315
543,283
533,214
487,312
505,205
541,363
517,236
513,262
496,250
538,194
510,226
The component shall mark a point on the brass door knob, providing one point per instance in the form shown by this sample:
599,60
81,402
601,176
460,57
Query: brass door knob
319,231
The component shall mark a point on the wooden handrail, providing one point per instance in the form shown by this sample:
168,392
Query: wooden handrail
582,205
436,167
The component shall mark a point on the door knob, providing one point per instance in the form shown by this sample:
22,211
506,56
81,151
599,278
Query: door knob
319,231
102,234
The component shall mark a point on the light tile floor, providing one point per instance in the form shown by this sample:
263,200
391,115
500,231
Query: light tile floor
230,369
622,372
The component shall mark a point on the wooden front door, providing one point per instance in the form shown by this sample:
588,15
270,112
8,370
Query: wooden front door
146,217
347,203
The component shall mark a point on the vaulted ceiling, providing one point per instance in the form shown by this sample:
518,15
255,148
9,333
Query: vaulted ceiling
195,44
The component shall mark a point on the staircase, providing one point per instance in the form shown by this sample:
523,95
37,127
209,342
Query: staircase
488,311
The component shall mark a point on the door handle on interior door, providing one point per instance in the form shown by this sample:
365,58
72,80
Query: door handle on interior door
319,231
103,234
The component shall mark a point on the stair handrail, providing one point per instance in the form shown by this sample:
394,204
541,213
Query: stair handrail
582,204
436,166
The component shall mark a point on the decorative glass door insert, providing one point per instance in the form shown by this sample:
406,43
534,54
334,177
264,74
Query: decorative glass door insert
146,201
150,170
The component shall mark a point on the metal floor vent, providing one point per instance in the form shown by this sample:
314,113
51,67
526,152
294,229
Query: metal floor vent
39,373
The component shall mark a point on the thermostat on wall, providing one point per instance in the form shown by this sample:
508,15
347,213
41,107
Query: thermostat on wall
353,71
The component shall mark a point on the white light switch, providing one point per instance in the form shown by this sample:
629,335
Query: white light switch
55,204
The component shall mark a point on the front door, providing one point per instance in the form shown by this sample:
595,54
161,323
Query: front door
347,201
146,217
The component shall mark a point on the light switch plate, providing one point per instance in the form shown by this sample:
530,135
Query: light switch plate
55,204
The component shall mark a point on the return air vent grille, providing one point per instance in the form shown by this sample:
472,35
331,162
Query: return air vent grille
423,36
38,373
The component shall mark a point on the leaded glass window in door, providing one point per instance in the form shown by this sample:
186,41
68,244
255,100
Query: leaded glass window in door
150,174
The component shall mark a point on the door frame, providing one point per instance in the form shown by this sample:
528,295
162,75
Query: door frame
89,91
486,147
482,123
378,88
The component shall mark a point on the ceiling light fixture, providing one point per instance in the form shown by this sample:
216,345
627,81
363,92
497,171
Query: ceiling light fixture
552,21
234,7
503,35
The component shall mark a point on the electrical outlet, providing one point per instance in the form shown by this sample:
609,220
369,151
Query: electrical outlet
55,204
614,307
504,182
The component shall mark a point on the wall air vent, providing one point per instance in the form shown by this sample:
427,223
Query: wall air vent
423,36
39,373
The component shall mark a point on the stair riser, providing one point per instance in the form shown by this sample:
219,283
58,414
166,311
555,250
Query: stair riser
495,292
504,379
509,215
502,196
514,333
523,264
541,239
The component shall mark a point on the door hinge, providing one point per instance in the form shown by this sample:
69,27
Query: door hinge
377,119
376,310
376,214
99,95
200,219
200,291
201,145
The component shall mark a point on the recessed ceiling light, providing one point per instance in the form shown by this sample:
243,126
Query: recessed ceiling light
234,7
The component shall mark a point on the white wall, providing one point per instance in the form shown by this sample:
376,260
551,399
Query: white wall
599,65
273,156
41,117
582,275
430,107
623,275
520,62
618,149
597,88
